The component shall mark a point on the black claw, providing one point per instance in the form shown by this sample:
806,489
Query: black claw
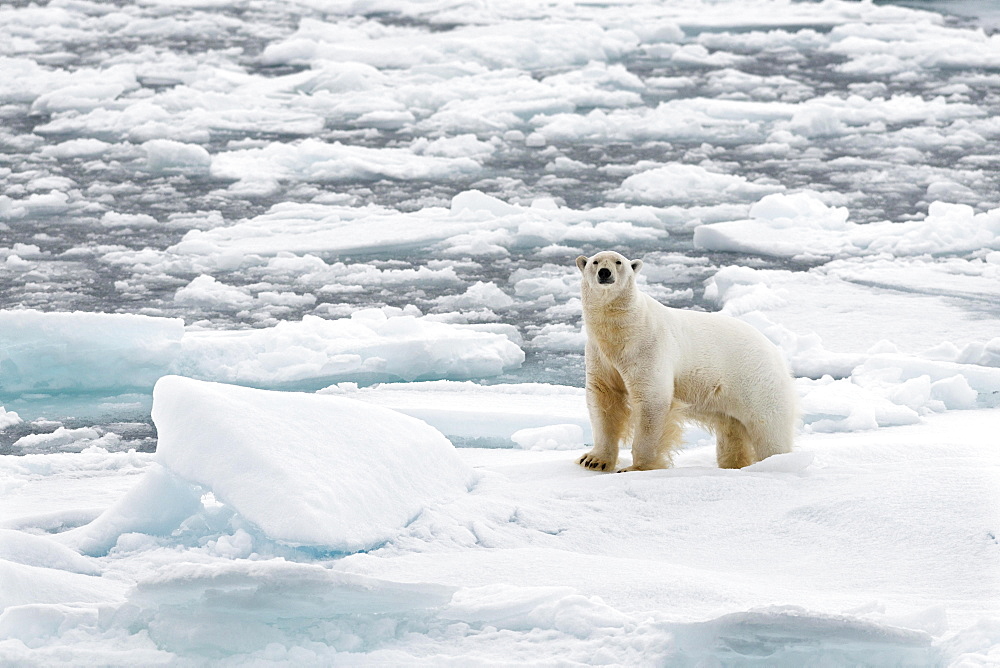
604,467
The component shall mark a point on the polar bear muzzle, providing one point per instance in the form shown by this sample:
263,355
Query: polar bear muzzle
604,276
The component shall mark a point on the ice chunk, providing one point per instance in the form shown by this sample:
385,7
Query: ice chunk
44,352
312,228
544,45
36,204
788,210
314,160
678,183
784,225
115,219
476,200
560,337
79,97
478,295
367,346
67,440
463,146
535,140
473,222
951,382
86,352
306,469
553,437
802,225
166,156
206,292
948,228
8,418
77,148
841,405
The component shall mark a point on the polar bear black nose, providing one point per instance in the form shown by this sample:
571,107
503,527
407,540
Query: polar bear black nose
604,275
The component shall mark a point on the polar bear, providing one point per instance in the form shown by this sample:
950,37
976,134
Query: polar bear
650,368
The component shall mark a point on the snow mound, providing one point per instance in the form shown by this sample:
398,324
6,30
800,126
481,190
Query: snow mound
306,469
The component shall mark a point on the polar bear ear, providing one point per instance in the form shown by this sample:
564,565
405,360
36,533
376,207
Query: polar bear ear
581,262
636,266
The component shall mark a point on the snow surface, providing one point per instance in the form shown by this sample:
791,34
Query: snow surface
381,200
869,548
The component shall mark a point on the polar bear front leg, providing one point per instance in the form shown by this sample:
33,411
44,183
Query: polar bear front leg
607,403
658,431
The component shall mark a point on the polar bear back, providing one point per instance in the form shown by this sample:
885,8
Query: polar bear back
718,360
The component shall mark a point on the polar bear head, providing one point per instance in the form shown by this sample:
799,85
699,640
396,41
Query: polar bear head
608,273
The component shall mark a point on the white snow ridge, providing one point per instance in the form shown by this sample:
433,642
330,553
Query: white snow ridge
291,360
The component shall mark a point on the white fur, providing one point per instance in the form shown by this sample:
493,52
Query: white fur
650,368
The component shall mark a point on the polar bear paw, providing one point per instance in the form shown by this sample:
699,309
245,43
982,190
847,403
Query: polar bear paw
593,461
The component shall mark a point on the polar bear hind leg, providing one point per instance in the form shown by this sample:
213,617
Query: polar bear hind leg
741,443
775,433
734,448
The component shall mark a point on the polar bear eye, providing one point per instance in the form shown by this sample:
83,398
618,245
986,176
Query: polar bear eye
618,261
